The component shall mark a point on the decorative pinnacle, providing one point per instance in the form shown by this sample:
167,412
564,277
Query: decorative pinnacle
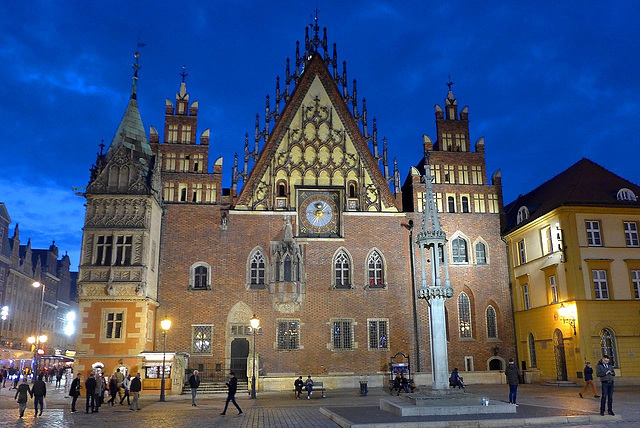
101,145
449,83
136,65
184,73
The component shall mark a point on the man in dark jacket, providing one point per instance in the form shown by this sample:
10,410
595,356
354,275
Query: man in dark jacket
298,384
39,390
90,386
513,379
135,388
606,373
194,383
231,396
74,391
588,381
21,395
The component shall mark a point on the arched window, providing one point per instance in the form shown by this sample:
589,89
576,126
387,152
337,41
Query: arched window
464,315
625,194
523,214
532,351
282,189
465,204
492,323
609,346
459,251
352,190
287,268
481,253
342,271
451,202
200,276
257,270
375,270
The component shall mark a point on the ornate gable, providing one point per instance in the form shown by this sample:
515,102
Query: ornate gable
316,143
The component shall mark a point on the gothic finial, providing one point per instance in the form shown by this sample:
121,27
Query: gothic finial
344,79
396,177
375,139
234,172
257,128
354,100
385,162
184,73
449,83
335,62
136,67
101,145
364,119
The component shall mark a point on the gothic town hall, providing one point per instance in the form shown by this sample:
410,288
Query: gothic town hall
316,238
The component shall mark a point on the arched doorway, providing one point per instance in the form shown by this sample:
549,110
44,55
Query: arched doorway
239,354
496,364
558,350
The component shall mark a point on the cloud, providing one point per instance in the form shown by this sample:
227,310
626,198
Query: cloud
377,10
46,212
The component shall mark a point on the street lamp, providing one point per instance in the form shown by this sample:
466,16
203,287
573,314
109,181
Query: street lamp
4,314
165,325
567,316
37,284
36,342
255,323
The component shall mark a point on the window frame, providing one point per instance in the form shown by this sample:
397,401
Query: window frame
382,282
593,233
522,251
526,297
610,349
554,292
104,322
484,252
342,252
194,329
494,323
598,285
378,322
257,251
280,340
351,333
455,252
192,276
631,237
464,312
635,284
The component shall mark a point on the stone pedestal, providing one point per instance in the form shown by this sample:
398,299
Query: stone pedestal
442,402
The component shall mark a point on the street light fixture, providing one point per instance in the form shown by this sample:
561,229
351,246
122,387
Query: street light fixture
36,342
4,314
255,323
567,316
165,325
37,284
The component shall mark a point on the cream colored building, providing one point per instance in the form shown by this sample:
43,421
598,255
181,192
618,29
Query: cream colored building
574,256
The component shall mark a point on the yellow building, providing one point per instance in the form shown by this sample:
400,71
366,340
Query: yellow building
574,259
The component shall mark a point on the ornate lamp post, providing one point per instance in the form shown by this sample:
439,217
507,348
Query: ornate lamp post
36,342
37,284
4,314
165,325
255,323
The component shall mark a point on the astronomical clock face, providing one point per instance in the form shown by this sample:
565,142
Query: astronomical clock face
318,213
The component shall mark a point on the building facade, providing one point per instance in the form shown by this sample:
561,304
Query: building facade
575,273
20,267
315,237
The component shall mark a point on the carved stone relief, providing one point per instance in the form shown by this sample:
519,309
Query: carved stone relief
109,212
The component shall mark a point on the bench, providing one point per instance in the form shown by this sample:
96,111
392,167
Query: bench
316,386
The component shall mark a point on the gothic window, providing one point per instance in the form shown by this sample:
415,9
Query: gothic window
288,335
104,247
257,270
282,189
631,233
464,315
352,190
481,253
287,268
492,323
342,270
201,339
342,334
608,342
479,206
532,351
200,276
465,204
523,214
375,269
378,334
459,250
123,250
451,204
594,238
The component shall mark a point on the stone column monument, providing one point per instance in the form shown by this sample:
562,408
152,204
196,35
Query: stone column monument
433,247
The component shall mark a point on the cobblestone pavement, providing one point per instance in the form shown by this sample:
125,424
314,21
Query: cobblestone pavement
282,410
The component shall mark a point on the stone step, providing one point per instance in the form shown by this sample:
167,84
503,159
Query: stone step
560,383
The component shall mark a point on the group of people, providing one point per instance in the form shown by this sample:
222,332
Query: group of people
401,383
48,375
37,391
299,385
98,388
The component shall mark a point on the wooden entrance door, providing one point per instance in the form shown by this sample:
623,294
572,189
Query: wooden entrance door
561,361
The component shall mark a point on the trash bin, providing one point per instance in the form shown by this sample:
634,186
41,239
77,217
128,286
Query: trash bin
364,388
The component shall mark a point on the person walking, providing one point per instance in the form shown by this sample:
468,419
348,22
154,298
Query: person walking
194,383
119,380
588,381
39,390
74,392
513,379
5,374
231,395
59,378
309,384
606,373
135,388
298,384
126,384
113,389
90,386
21,396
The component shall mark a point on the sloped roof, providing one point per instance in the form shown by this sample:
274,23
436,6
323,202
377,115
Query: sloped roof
131,132
585,183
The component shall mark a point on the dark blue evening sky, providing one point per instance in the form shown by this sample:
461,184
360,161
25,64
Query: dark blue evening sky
547,83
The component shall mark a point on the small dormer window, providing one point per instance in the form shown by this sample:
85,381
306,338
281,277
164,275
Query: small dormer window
523,214
625,194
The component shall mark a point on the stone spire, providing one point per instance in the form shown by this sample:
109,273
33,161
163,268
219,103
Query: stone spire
131,132
432,242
